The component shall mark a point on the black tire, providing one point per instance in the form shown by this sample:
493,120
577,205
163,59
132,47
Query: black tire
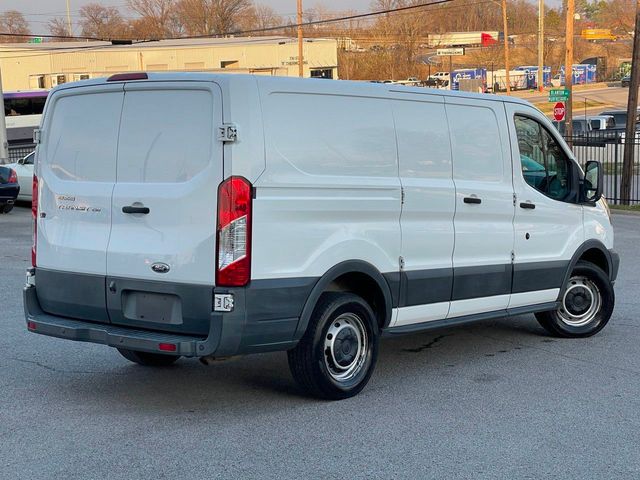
2,209
583,277
311,364
148,359
7,208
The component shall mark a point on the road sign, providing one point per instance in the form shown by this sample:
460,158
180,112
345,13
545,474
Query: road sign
35,40
558,112
558,95
443,52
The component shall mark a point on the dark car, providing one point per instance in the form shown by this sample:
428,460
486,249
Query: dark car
620,117
9,188
626,81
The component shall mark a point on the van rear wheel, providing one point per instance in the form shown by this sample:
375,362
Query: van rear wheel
148,359
338,353
586,304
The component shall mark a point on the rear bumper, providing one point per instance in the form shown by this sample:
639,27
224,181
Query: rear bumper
113,335
265,318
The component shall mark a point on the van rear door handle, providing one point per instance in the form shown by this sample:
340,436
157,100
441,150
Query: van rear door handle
475,200
527,205
132,209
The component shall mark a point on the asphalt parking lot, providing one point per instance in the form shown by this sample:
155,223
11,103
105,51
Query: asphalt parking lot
498,399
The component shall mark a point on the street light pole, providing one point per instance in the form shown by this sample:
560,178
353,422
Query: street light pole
568,72
4,145
506,46
300,41
540,45
69,27
632,110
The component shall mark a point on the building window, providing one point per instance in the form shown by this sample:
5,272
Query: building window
36,81
322,73
230,64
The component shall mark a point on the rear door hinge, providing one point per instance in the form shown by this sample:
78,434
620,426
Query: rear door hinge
513,256
228,132
402,195
401,262
514,199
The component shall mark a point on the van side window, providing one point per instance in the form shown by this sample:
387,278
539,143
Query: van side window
544,164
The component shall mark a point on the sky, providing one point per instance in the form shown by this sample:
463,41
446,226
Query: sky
39,12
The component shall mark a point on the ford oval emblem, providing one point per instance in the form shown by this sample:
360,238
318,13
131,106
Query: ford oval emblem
160,267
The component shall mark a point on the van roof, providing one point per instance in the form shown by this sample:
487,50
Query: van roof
337,86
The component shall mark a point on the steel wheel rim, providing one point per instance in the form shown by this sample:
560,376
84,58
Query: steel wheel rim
345,347
581,302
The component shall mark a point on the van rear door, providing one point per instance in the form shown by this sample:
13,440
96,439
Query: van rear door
77,173
161,253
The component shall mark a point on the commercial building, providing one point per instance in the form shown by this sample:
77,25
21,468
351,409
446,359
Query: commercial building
45,65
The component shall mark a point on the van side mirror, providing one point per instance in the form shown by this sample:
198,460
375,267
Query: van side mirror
593,180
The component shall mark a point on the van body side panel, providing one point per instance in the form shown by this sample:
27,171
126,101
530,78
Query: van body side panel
545,237
330,191
424,154
484,213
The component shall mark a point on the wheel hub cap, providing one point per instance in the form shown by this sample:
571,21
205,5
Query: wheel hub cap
581,302
345,347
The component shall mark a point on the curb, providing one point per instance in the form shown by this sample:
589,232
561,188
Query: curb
630,213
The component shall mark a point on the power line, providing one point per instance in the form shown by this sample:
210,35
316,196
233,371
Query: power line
255,30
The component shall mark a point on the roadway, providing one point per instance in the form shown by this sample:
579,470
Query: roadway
496,400
609,98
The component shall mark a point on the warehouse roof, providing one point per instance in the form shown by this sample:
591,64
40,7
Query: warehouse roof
182,42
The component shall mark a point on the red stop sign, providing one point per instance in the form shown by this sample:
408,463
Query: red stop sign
558,112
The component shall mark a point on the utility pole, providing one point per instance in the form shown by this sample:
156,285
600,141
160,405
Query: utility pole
506,46
69,27
4,145
632,107
540,45
300,42
568,72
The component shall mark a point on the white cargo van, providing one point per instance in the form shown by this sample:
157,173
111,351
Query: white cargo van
199,215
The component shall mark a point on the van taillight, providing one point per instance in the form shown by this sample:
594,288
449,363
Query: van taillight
233,256
34,214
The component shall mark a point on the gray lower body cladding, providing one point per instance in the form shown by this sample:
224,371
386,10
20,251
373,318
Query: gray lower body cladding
140,314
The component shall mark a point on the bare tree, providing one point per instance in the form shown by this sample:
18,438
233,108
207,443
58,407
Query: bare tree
14,23
212,17
157,18
259,17
102,22
58,26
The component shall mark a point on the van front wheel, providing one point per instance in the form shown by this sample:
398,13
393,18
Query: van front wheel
586,304
338,353
148,359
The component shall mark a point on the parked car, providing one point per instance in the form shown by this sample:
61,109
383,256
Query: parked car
625,81
604,126
9,188
326,232
583,134
620,117
24,171
602,122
